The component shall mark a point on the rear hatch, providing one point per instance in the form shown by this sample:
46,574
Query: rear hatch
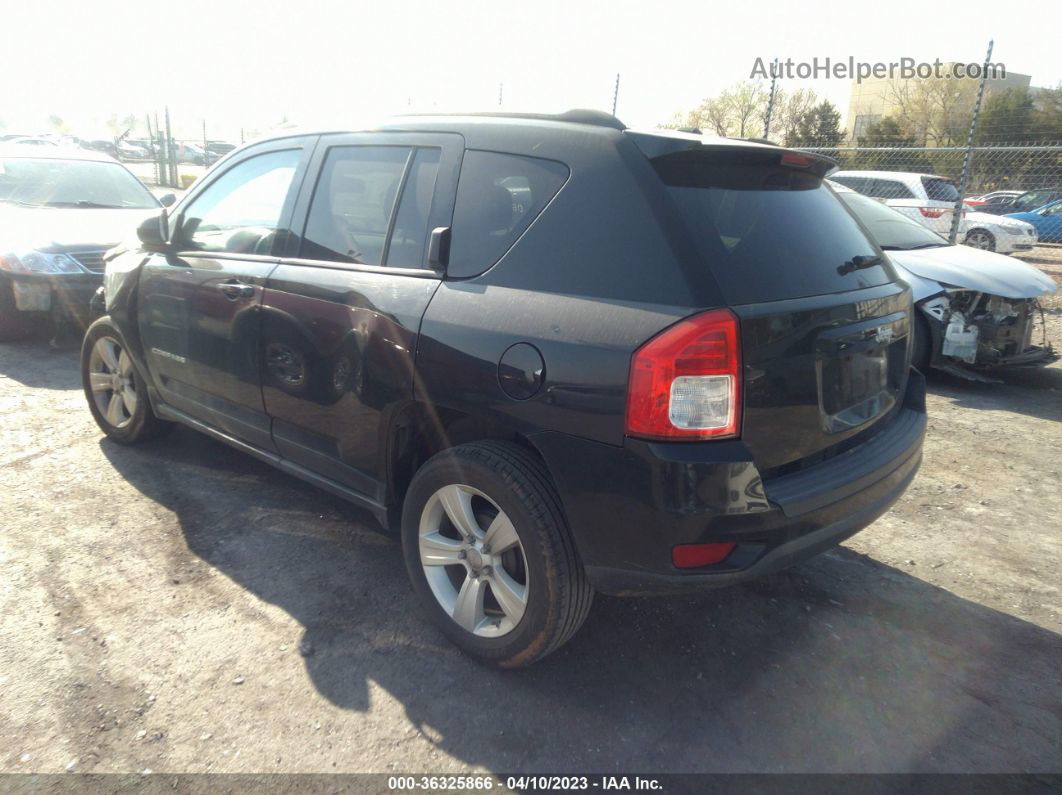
824,320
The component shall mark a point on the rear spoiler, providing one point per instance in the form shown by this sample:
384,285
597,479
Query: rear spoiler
654,146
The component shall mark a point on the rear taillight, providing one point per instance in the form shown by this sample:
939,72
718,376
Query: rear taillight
930,212
685,383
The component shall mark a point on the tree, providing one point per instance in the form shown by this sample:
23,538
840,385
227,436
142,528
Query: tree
1047,114
1006,118
57,123
737,111
789,109
881,137
936,111
819,126
748,103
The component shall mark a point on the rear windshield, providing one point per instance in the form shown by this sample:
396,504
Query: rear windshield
940,190
768,232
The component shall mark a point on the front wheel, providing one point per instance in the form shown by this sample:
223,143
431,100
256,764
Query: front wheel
116,393
982,239
490,556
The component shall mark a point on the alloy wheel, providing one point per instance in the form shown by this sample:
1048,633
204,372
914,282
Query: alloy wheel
979,240
112,383
473,561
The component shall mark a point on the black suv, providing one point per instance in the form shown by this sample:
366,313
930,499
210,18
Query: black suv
561,355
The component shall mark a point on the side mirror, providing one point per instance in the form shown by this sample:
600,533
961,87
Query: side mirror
439,248
152,233
167,200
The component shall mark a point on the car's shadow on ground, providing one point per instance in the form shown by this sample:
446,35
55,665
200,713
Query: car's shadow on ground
840,664
36,364
1033,391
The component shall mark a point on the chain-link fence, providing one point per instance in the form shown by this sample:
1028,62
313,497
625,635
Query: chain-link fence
1013,201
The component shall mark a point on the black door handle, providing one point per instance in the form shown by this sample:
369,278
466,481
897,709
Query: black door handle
235,290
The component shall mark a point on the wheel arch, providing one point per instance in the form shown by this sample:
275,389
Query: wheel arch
418,431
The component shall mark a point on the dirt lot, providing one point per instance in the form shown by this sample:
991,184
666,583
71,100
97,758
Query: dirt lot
181,607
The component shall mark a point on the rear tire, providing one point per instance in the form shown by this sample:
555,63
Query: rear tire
116,393
526,596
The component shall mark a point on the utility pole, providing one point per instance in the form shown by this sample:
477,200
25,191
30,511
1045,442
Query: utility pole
500,87
615,94
171,155
964,179
770,100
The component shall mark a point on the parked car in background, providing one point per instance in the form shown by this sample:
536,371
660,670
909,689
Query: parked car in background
30,140
60,209
218,149
458,340
925,198
1023,202
1047,221
190,153
930,200
999,233
996,197
128,150
973,308
104,145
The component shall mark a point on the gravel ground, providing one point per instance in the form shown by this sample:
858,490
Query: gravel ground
181,607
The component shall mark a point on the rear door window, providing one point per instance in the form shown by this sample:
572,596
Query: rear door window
942,190
889,189
353,202
409,238
768,232
858,184
498,196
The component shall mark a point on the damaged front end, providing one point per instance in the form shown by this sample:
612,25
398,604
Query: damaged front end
974,328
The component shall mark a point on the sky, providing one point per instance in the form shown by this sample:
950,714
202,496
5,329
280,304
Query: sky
346,63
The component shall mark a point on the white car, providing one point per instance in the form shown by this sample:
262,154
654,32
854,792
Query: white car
930,200
997,233
973,307
925,198
998,196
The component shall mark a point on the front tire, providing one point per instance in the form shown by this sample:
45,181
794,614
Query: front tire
489,554
116,393
982,239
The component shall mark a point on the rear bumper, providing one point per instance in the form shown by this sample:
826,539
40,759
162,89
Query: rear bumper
628,506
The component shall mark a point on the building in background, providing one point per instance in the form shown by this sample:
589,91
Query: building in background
934,110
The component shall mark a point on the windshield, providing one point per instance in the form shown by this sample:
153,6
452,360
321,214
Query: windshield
768,232
892,230
48,182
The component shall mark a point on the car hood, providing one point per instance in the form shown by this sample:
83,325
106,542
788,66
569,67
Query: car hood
63,229
974,269
978,219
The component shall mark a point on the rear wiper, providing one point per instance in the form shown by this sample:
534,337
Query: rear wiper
858,263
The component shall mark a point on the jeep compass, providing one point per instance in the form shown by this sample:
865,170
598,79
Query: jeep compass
559,355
